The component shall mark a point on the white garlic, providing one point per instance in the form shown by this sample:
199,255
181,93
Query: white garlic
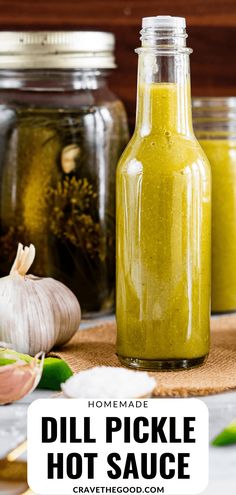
68,157
19,379
35,313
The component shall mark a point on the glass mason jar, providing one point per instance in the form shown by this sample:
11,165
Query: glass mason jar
163,214
62,131
215,126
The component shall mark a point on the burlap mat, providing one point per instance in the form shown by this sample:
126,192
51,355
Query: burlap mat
96,347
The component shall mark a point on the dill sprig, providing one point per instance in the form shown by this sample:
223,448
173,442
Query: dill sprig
72,202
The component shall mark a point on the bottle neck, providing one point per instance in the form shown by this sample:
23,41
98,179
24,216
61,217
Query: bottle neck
164,94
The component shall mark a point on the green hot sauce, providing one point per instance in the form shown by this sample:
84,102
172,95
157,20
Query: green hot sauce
163,235
222,157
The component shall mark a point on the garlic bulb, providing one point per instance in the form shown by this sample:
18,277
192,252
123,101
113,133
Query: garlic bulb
35,313
19,379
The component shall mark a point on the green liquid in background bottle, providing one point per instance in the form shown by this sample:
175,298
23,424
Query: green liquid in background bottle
163,222
222,157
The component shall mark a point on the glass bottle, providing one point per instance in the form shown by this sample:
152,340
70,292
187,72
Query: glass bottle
163,214
62,131
214,122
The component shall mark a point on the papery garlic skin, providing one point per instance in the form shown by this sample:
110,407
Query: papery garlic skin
36,313
19,379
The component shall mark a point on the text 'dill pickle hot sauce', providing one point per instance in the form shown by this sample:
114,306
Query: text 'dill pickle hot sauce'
163,214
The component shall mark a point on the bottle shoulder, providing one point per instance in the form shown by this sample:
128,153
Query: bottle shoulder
166,154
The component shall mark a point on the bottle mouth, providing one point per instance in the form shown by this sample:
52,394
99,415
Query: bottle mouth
164,22
203,104
164,33
214,117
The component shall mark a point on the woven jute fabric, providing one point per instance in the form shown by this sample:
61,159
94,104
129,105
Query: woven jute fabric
96,347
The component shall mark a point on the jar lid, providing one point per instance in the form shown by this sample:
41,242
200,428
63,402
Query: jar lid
57,50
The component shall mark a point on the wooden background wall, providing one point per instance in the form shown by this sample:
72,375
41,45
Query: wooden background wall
211,28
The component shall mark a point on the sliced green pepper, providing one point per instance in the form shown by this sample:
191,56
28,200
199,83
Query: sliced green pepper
227,436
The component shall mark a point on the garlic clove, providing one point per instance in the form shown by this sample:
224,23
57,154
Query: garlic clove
68,157
19,379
